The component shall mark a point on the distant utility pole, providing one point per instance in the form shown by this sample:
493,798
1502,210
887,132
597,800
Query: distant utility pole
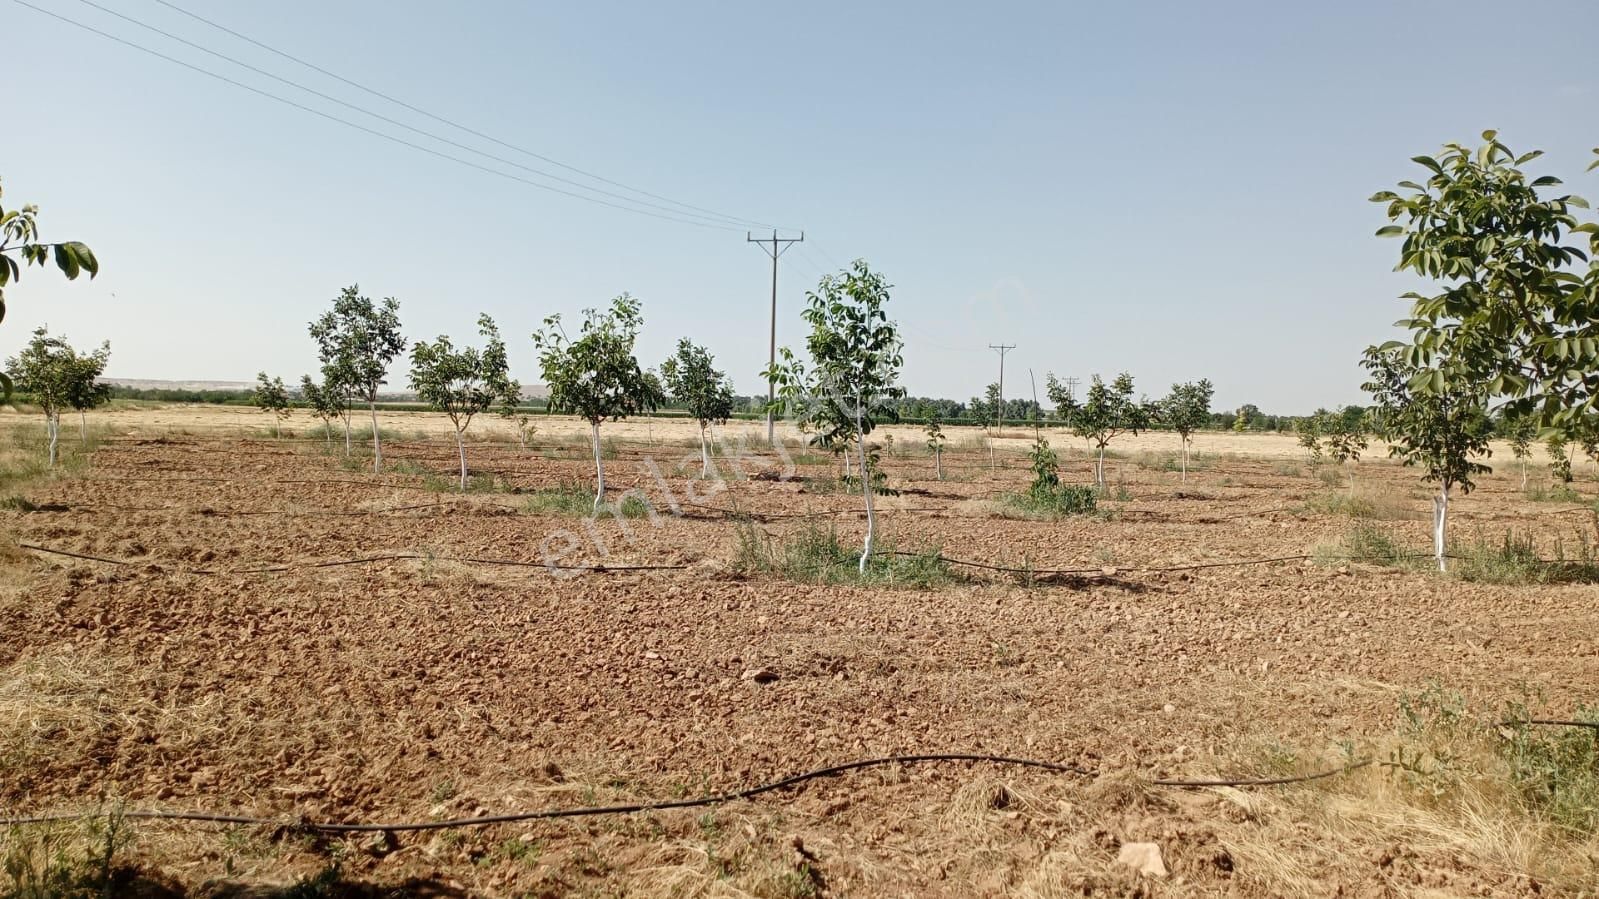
1002,349
778,247
1071,388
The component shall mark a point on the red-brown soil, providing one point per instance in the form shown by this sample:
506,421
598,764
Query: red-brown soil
413,689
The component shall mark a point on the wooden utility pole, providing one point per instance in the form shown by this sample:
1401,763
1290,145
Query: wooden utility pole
778,247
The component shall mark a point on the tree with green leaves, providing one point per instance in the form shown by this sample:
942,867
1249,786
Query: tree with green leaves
994,402
327,404
692,379
596,375
57,377
1441,432
1512,307
271,396
87,390
1520,431
357,341
1559,457
464,382
935,444
1107,412
20,246
850,384
1187,409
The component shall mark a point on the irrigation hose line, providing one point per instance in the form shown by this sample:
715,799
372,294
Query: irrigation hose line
633,808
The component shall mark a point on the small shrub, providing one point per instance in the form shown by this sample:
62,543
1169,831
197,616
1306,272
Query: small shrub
1555,493
1365,542
815,555
1514,560
561,499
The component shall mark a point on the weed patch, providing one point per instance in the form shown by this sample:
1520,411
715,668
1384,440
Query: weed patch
815,555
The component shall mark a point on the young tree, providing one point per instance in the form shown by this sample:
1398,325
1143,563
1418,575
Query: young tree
596,376
1187,409
994,402
357,341
20,246
326,404
462,383
1441,432
935,444
87,390
1513,312
56,376
855,362
271,396
1521,431
1559,458
511,411
1107,411
692,379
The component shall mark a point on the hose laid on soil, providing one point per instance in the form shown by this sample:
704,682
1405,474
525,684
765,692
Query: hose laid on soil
598,567
633,808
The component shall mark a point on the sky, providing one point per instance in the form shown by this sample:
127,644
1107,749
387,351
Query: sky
1174,189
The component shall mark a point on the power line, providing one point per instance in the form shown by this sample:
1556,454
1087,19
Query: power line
400,124
372,131
453,124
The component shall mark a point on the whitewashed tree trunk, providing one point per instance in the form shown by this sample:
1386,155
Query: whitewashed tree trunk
599,469
1185,460
1099,468
346,417
866,490
377,439
1440,523
83,428
460,447
1523,474
705,455
938,463
52,426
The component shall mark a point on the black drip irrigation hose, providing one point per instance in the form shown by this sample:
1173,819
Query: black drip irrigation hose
597,568
634,808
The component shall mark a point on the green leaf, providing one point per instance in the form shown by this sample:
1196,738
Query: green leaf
6,387
1546,181
1390,231
85,257
1490,135
67,261
1579,202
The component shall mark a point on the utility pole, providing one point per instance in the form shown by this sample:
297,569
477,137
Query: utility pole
999,414
1071,388
774,251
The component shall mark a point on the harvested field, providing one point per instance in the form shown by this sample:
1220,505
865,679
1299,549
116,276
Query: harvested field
202,650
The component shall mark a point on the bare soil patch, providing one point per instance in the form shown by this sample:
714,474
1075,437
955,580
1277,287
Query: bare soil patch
430,687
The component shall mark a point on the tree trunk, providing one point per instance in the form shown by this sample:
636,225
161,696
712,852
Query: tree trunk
346,417
866,490
1524,475
1185,460
52,427
377,441
327,431
599,469
1099,469
1440,523
460,447
705,455
83,428
938,464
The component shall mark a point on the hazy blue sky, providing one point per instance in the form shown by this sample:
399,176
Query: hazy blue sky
1177,189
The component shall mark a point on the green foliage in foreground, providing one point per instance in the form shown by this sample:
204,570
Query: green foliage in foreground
1448,752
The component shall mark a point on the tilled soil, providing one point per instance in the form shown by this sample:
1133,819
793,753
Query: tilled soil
172,672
